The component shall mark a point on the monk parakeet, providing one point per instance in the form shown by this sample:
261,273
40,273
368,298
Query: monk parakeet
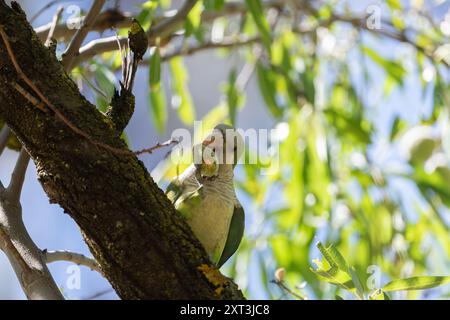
204,194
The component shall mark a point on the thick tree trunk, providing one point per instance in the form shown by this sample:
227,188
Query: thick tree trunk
145,249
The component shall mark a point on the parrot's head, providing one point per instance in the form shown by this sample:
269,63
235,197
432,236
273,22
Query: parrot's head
221,149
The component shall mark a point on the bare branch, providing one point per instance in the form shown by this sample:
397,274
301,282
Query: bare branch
162,29
40,11
286,289
80,35
54,23
157,146
4,136
166,27
24,256
18,176
98,294
107,19
227,43
113,18
77,258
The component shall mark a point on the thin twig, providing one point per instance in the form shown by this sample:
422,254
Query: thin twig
55,20
4,137
18,176
98,294
161,30
40,11
228,43
286,289
157,146
80,35
166,27
77,258
107,19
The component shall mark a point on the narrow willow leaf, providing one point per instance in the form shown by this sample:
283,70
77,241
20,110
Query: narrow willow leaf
333,256
308,83
181,98
338,272
233,97
357,283
105,80
379,295
393,69
193,21
147,13
268,90
258,16
155,70
213,4
416,283
158,109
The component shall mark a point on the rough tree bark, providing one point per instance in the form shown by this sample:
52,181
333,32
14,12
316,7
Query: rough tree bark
144,248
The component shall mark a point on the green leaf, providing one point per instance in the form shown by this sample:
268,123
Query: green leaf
234,97
308,83
146,15
105,80
158,108
334,269
213,4
155,70
333,256
181,98
416,283
357,283
398,125
268,90
258,16
393,68
394,4
379,295
193,21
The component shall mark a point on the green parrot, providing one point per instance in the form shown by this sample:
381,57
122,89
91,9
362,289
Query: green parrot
204,194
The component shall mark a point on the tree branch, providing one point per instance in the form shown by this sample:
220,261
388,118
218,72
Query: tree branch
227,43
145,248
18,176
77,258
107,19
80,35
161,30
53,25
166,27
113,18
4,137
23,254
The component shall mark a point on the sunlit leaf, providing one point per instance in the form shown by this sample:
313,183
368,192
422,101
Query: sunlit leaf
181,97
416,283
258,16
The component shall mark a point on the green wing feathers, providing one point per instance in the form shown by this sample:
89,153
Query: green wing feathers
174,190
235,235
185,201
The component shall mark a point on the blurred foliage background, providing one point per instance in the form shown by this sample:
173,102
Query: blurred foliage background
379,193
360,168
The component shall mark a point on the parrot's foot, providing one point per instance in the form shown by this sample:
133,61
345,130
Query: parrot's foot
215,278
